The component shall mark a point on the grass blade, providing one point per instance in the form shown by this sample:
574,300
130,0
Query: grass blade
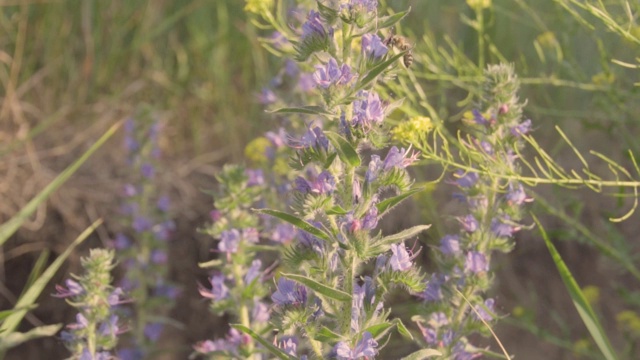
582,305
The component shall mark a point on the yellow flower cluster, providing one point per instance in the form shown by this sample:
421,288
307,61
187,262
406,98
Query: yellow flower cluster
410,132
258,6
479,4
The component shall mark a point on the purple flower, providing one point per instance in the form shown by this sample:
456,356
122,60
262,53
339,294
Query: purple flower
367,110
433,291
289,293
73,289
278,40
331,74
501,227
121,242
229,241
153,331
516,195
267,96
356,306
400,260
373,47
310,241
313,138
324,183
375,166
163,203
159,256
398,159
250,235
255,177
260,312
289,344
306,82
469,223
460,352
218,290
466,180
484,315
253,272
476,262
370,220
313,26
521,129
147,170
450,245
283,233
141,224
479,118
364,5
364,348
486,147
130,190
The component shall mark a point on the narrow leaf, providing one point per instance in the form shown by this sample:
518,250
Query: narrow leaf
15,339
396,238
388,21
37,269
379,329
319,287
579,301
5,313
327,336
210,264
337,210
346,152
267,344
387,204
403,329
297,222
7,229
422,354
311,110
31,294
377,70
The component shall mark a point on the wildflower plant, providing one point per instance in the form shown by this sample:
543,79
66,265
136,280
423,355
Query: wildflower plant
94,335
237,286
142,248
329,298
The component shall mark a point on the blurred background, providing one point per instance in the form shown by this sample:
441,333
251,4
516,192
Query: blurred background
70,69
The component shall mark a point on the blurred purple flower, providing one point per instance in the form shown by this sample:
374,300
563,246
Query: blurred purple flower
260,312
313,27
332,74
255,177
289,292
373,47
521,129
399,159
73,289
450,245
466,179
153,331
516,195
163,203
484,315
253,272
469,223
147,170
375,166
283,233
366,347
476,262
229,241
218,290
400,260
501,226
267,96
367,110
141,224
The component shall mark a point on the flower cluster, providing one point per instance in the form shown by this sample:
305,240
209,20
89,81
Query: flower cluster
142,248
94,335
454,298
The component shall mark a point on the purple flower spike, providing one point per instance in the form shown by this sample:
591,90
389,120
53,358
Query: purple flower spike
399,159
373,46
450,245
218,290
400,260
289,293
476,262
313,26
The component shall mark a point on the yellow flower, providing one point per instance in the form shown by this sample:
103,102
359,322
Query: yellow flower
256,150
258,6
410,132
518,311
592,294
479,4
629,322
603,78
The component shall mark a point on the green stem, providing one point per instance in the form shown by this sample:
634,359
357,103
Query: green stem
481,45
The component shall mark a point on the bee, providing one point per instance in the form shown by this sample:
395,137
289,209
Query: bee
401,43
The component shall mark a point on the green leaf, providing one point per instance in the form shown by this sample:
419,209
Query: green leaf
297,222
337,210
396,238
388,21
346,152
403,329
319,287
267,344
377,70
387,204
311,110
582,305
422,354
379,329
38,267
15,339
7,229
5,313
327,336
31,294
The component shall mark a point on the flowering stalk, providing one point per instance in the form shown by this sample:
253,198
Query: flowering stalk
455,297
143,251
237,285
94,335
329,302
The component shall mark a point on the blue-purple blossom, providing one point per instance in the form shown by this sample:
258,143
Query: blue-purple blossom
373,46
278,40
332,74
159,256
450,245
218,290
255,177
73,289
147,170
469,223
231,343
460,352
370,220
229,241
164,203
375,166
130,190
484,315
289,292
141,224
362,5
366,347
306,83
311,241
476,262
153,331
324,183
478,118
486,147
313,27
399,159
100,355
289,344
521,129
516,195
283,233
260,312
466,179
313,138
501,226
267,96
368,110
253,271
400,260
433,291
